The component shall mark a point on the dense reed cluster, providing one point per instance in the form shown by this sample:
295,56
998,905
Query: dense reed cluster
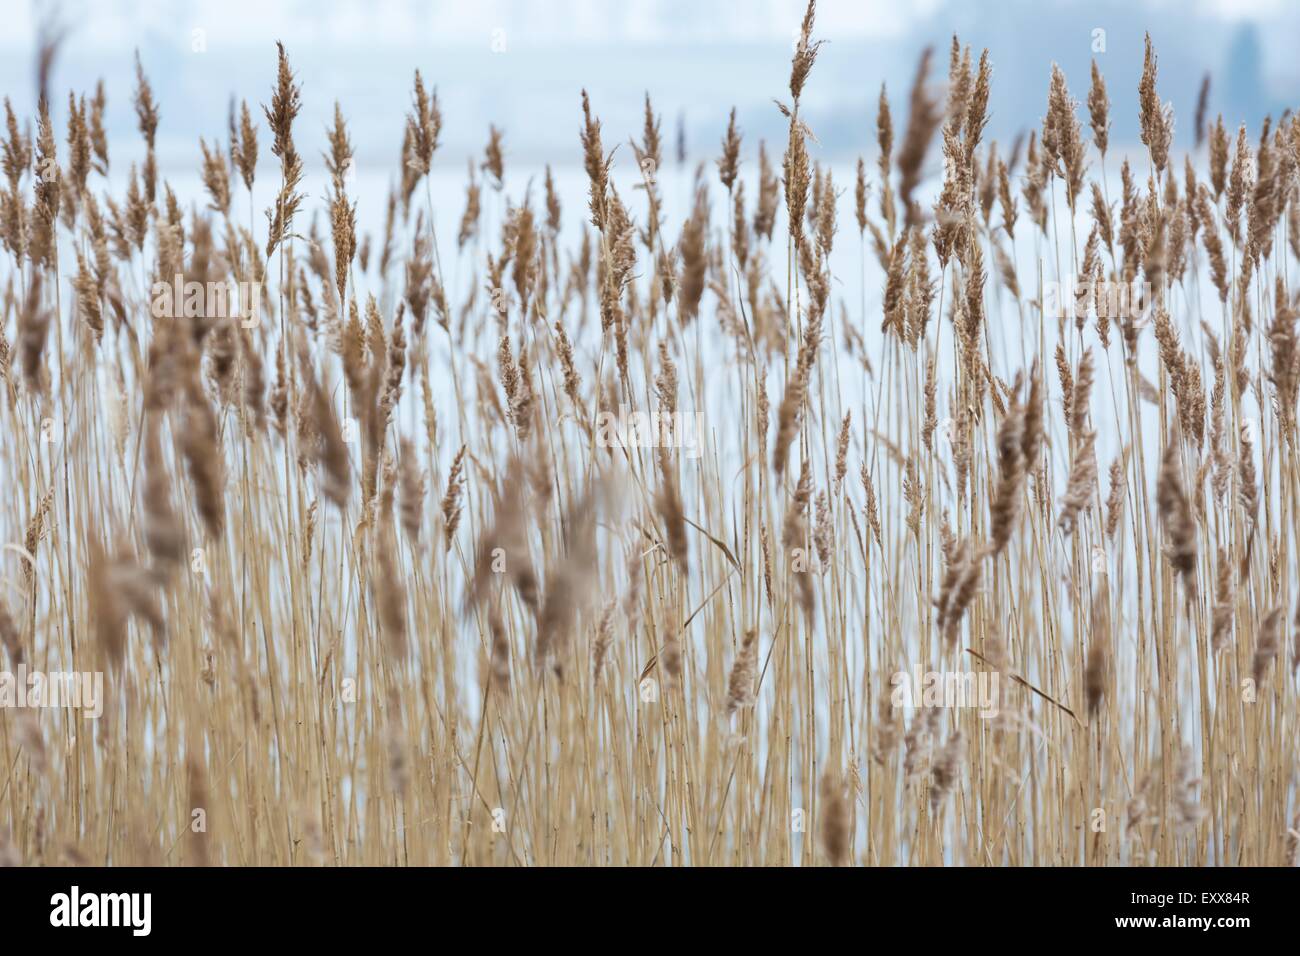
371,578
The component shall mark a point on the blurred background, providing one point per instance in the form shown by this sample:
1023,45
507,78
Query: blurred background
521,64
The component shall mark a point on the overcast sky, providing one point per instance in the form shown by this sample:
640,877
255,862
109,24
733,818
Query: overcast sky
115,23
697,58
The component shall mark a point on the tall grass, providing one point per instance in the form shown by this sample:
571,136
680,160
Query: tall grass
371,579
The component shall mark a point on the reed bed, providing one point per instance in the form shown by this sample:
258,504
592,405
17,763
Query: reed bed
372,578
